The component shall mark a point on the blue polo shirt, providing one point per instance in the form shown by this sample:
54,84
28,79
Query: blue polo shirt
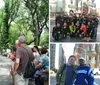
69,75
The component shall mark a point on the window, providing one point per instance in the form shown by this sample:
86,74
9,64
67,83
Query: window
89,48
93,47
71,1
89,58
96,58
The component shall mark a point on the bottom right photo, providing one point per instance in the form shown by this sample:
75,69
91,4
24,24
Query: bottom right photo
74,64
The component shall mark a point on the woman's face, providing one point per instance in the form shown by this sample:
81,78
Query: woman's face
88,23
82,25
34,49
65,24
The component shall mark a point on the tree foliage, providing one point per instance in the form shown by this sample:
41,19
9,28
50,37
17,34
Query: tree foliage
39,11
44,41
10,13
24,17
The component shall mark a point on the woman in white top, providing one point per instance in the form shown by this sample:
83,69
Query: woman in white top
36,54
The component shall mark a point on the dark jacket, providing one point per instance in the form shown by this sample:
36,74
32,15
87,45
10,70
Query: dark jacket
61,74
84,76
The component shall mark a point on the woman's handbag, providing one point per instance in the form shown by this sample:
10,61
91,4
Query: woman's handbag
44,77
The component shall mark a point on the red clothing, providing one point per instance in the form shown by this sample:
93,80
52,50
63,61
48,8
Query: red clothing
14,54
84,29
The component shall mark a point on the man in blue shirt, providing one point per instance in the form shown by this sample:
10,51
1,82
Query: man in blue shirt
84,74
67,72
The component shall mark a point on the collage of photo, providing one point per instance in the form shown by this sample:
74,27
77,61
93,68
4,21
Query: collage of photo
49,42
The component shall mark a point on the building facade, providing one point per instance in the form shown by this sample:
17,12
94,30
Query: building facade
90,52
62,5
78,6
56,55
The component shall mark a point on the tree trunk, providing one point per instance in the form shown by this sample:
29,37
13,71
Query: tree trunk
37,38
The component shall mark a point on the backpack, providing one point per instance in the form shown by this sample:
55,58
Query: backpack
61,73
30,68
59,76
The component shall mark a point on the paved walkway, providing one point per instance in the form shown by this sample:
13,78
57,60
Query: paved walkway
5,78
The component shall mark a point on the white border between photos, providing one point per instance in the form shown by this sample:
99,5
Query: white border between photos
49,42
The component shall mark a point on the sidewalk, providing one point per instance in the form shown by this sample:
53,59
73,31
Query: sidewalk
52,79
5,78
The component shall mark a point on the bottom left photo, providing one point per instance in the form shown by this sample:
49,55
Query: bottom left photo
24,65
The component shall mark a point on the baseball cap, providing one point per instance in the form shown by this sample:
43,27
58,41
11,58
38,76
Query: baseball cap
81,58
22,39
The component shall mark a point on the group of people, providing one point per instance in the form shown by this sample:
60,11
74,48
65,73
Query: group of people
20,57
72,74
81,26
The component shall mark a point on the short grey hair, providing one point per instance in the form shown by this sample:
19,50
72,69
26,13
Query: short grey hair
22,39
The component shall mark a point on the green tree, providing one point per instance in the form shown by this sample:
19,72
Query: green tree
44,41
10,13
24,17
39,11
1,20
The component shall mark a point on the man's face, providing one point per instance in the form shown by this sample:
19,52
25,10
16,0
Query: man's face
72,24
92,21
82,25
72,61
81,62
19,43
58,25
77,22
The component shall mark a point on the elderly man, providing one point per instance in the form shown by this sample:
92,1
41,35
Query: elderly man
22,58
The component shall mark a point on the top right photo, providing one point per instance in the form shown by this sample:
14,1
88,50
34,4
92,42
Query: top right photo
74,21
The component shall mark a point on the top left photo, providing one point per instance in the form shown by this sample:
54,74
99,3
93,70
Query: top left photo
24,42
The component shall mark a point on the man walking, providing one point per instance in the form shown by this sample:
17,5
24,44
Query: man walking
22,58
84,74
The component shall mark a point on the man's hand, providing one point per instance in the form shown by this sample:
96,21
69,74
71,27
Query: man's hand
14,73
46,71
10,73
16,65
39,65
